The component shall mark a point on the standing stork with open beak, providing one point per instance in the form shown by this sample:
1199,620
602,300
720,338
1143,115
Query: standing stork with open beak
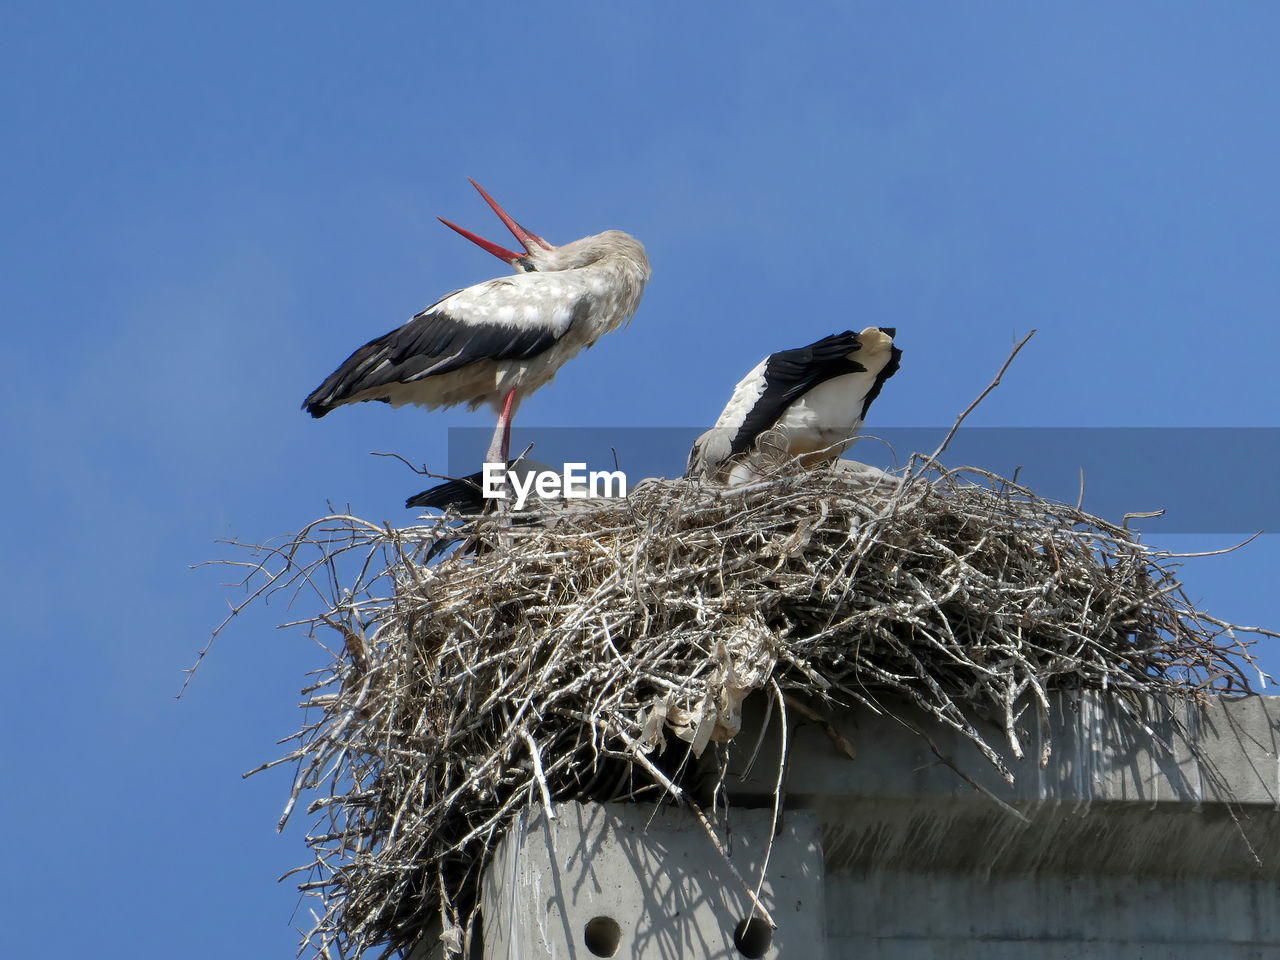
496,342
806,403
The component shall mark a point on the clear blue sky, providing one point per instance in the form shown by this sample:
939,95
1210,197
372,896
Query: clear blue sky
204,212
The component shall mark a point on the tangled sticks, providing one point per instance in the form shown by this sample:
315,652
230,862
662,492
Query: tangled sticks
554,659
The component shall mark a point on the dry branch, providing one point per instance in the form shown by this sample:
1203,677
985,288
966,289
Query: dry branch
556,665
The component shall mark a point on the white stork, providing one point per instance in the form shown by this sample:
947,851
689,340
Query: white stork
810,402
496,342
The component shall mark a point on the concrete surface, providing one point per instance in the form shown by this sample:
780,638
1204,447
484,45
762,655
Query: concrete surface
1118,792
655,873
1140,839
909,915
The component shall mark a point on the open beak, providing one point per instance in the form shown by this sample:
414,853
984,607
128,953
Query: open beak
502,253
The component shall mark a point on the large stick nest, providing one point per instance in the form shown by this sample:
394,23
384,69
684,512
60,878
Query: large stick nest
553,660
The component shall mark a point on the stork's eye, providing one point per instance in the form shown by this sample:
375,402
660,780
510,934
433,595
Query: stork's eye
526,265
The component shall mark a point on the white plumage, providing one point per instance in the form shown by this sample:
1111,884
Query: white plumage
498,341
806,403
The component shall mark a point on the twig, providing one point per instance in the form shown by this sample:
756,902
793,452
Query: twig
602,633
982,396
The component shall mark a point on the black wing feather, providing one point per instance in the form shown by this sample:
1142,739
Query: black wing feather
463,493
789,374
430,344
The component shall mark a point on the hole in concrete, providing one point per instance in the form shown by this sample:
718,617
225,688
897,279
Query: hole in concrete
602,935
752,937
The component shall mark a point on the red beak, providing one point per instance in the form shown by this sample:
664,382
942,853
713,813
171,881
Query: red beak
502,253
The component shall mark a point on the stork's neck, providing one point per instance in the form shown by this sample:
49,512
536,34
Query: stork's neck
625,279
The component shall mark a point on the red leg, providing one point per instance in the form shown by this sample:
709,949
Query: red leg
506,425
500,447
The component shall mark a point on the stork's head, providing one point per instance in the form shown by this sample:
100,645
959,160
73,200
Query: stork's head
545,257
